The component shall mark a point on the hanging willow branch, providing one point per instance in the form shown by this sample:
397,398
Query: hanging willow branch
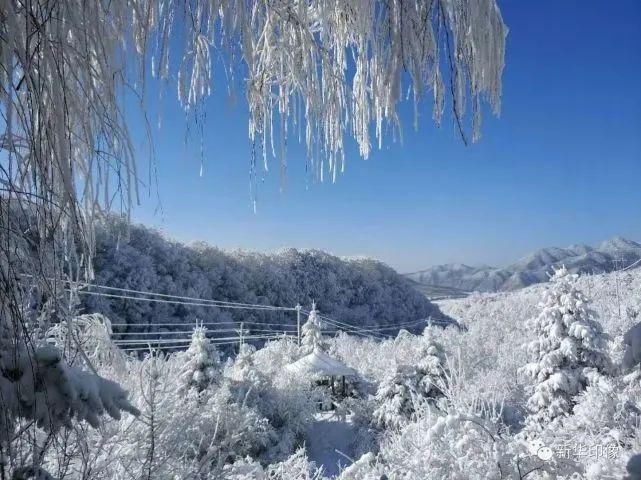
334,67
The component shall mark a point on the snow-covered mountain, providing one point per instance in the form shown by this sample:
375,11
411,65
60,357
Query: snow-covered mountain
610,255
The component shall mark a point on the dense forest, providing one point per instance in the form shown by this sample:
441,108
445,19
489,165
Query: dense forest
362,292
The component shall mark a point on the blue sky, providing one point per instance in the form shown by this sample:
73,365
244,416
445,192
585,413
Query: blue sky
561,165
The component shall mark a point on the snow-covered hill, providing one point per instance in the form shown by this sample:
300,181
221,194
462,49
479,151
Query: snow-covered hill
612,254
615,297
356,291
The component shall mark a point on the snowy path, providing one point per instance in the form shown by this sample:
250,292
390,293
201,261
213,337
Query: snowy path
324,437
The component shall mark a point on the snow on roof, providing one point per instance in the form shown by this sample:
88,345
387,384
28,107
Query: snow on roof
319,363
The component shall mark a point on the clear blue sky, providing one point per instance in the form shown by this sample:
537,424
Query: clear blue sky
561,165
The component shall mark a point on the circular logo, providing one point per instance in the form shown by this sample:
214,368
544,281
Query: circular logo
544,453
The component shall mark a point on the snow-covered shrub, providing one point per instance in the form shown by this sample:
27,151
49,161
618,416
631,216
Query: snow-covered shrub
181,433
453,446
247,381
365,468
296,467
90,336
568,353
201,361
603,424
396,398
286,399
276,355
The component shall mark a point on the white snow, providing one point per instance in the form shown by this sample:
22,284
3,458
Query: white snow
329,442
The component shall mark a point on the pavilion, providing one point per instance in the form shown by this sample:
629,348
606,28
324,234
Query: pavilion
320,364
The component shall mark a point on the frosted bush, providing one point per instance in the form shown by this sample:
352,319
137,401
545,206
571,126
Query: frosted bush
296,467
452,446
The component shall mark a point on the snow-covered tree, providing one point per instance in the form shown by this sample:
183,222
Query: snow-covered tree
296,467
311,332
360,291
395,397
567,353
246,379
632,342
431,367
202,361
399,395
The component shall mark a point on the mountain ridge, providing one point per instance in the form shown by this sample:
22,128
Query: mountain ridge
609,255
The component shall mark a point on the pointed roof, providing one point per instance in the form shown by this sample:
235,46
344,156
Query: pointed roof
319,363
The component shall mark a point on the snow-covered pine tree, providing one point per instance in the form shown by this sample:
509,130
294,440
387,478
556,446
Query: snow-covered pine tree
567,354
311,334
431,368
395,396
202,361
399,394
245,377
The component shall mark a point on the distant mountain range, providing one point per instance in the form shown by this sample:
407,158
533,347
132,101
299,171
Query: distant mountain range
456,279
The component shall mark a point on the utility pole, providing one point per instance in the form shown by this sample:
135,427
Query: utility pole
298,308
241,339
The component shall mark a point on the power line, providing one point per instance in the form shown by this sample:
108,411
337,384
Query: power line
181,297
199,324
189,332
350,328
168,347
198,302
187,340
634,264
164,295
180,302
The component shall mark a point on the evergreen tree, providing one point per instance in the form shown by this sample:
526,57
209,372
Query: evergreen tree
410,385
248,382
202,361
431,368
567,354
312,337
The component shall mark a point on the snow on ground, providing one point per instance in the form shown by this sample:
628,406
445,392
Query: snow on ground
329,442
253,418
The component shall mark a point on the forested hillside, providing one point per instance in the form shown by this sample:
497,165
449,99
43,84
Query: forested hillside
356,291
